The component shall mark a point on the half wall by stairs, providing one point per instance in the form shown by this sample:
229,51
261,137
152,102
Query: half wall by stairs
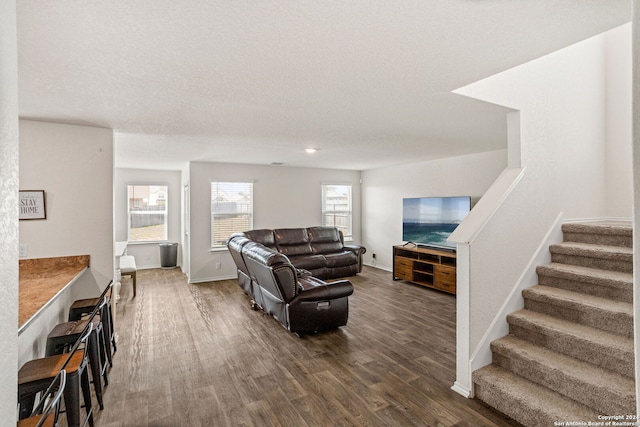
569,355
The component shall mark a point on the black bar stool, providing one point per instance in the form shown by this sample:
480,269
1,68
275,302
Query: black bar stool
83,307
36,375
64,335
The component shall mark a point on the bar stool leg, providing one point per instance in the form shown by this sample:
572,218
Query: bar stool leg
102,352
72,400
96,368
110,343
86,392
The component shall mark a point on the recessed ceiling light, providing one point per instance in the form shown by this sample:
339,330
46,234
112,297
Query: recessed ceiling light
276,163
310,150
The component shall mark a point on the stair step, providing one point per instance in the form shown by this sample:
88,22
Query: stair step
528,403
601,313
598,347
614,285
610,233
570,355
614,258
609,392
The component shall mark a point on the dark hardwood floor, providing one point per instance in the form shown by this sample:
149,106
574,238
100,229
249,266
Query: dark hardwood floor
197,355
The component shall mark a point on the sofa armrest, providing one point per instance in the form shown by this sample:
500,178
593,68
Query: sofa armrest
313,289
358,251
301,272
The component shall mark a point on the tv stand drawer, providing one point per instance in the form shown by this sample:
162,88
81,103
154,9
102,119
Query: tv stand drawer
445,278
403,268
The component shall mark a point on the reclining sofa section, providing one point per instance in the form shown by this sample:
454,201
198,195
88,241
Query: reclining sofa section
320,250
301,302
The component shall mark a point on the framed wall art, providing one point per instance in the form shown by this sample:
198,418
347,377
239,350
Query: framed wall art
32,205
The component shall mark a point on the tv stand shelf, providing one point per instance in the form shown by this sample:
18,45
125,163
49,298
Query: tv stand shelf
428,267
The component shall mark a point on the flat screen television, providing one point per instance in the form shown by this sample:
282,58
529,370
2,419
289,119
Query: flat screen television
430,220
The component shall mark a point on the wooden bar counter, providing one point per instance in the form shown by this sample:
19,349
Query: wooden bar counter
41,280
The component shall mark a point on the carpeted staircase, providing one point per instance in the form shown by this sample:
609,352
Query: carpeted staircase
569,353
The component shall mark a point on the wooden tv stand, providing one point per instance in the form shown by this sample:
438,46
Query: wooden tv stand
428,267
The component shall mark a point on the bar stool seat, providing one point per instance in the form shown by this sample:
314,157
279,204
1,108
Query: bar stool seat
35,421
64,335
128,268
36,375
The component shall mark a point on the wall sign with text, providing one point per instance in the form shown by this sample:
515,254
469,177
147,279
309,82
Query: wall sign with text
32,204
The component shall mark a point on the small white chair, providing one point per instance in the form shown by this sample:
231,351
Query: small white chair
128,268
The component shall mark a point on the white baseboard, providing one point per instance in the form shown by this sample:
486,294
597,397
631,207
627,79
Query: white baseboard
461,390
212,279
379,267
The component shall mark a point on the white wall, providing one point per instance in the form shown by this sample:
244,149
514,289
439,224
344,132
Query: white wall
284,197
8,210
147,255
74,166
383,190
619,186
561,98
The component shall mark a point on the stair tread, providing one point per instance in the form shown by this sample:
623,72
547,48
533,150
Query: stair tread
566,366
615,343
531,395
613,227
577,299
586,274
578,248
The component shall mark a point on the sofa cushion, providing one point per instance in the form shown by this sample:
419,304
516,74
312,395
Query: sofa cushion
324,234
325,239
292,241
308,262
340,259
263,254
265,237
338,272
235,245
272,271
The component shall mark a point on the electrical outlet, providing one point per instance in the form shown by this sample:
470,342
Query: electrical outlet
218,266
24,251
374,256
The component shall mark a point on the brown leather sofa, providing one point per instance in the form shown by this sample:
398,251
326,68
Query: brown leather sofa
300,302
320,250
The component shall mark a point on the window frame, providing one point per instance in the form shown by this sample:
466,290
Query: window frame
165,212
250,212
348,235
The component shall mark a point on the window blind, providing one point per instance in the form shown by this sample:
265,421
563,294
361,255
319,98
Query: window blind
231,210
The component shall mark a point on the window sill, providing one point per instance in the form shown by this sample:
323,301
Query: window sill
149,242
219,249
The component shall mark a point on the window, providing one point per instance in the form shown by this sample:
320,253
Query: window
231,210
336,207
147,212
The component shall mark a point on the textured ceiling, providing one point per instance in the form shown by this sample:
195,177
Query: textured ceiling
367,82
